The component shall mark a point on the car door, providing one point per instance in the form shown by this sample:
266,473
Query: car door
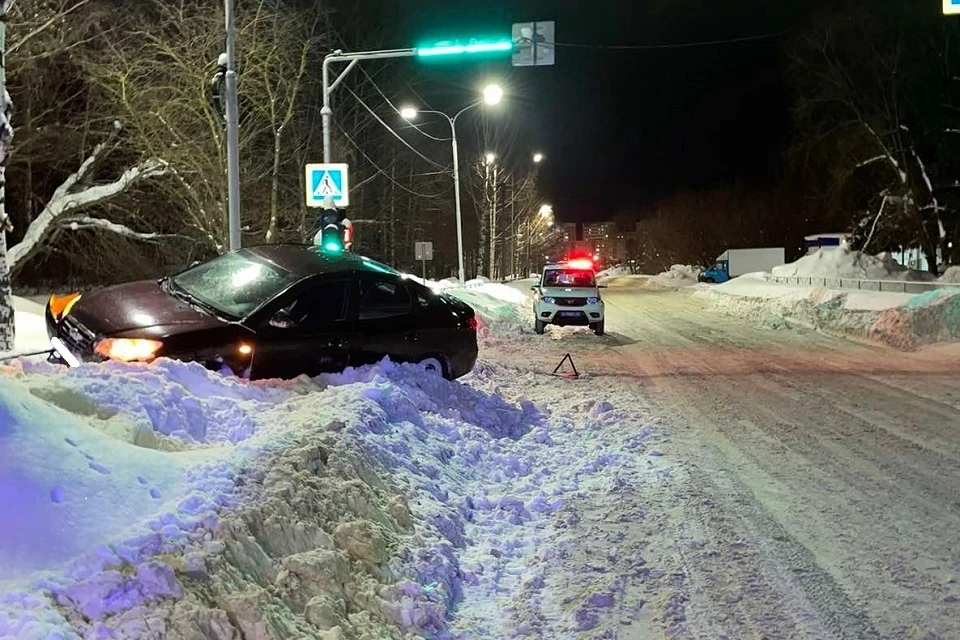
306,333
385,324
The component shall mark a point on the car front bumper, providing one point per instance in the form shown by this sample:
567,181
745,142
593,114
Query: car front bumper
71,341
569,316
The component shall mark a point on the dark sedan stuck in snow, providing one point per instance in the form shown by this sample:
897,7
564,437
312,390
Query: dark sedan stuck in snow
274,311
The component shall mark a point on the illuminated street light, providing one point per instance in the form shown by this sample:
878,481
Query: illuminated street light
492,94
538,158
491,158
546,211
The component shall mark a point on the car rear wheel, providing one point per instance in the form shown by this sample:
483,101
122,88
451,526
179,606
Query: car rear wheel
435,366
539,326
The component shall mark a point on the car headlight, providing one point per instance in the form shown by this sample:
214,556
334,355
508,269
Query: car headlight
128,349
549,300
593,300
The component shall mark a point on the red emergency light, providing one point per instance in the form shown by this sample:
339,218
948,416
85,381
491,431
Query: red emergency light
581,263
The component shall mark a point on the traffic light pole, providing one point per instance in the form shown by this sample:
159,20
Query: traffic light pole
326,112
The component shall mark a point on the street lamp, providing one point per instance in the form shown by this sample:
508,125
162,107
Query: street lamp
492,95
491,158
546,211
538,158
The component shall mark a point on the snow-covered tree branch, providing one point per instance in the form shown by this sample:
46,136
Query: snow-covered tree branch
70,198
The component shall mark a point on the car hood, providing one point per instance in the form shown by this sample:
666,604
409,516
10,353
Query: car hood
138,305
570,292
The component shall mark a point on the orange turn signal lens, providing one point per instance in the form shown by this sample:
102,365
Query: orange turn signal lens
60,305
128,349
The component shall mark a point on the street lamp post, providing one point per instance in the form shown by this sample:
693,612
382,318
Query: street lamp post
491,96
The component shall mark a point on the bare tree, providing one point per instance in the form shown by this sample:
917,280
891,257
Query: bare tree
7,325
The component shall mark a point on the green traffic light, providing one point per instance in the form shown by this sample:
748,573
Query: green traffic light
454,48
333,246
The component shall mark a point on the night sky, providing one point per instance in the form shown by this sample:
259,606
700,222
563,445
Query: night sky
624,127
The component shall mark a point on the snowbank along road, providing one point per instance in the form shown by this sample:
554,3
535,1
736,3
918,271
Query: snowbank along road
704,478
815,485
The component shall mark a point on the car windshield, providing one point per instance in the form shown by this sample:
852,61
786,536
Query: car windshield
568,278
234,284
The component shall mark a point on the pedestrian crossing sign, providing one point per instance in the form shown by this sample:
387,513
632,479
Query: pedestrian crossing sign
325,181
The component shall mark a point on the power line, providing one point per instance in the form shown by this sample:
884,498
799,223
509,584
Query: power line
390,129
393,106
677,45
380,171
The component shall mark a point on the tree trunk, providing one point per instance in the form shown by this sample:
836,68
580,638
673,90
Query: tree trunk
7,328
274,188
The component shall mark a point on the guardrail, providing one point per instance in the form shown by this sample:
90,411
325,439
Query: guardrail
895,286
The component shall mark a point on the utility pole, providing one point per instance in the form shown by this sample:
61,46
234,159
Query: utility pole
493,223
233,126
7,324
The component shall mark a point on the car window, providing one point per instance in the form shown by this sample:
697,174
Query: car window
568,278
423,297
234,284
320,306
383,299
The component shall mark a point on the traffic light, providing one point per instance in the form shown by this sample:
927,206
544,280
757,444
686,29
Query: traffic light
473,46
331,239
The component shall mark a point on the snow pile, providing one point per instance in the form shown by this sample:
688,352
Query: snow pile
951,276
167,501
614,271
845,263
679,275
506,312
899,320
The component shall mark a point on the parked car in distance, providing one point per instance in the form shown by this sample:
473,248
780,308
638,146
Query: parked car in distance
272,311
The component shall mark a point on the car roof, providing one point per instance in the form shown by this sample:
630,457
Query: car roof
308,260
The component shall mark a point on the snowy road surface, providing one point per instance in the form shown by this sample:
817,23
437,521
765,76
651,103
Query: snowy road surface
815,487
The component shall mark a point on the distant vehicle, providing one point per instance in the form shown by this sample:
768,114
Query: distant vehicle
274,311
733,263
568,294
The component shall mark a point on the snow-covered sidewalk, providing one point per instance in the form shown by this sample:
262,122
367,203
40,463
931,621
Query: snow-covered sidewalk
165,501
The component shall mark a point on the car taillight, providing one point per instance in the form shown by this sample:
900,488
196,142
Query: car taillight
128,349
473,324
60,305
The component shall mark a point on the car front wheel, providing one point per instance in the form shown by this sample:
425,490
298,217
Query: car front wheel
598,328
539,326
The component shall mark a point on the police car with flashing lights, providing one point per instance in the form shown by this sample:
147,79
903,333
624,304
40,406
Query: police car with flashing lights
568,295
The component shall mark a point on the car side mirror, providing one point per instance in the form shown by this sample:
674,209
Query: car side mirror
282,320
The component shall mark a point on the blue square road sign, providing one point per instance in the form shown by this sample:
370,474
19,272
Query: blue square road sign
327,181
